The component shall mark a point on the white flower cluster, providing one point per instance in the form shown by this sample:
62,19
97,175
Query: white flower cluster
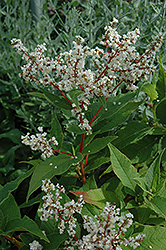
107,231
40,142
107,70
35,245
53,209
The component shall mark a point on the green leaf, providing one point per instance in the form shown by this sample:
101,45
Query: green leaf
141,213
161,83
97,197
2,221
154,170
132,132
89,184
59,101
142,183
56,130
98,144
157,204
90,210
123,168
24,224
9,208
149,89
46,169
14,135
117,117
75,129
116,103
55,240
107,171
102,100
143,149
13,185
74,94
90,138
97,163
31,202
160,111
155,238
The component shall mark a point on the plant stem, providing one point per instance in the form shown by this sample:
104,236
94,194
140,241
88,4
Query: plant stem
58,151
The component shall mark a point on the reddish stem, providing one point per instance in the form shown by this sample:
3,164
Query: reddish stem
86,160
61,93
58,151
13,241
82,142
81,87
106,66
102,105
95,115
83,173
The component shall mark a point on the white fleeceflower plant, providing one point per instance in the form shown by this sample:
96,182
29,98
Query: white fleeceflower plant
105,71
40,142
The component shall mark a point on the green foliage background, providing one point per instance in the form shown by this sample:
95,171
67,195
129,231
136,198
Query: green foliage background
140,127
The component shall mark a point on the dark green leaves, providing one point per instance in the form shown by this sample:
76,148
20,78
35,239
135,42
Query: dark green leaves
161,111
98,144
118,111
161,83
123,168
56,130
55,165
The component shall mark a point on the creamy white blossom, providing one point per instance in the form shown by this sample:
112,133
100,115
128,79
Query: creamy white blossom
107,231
53,209
40,142
101,76
35,245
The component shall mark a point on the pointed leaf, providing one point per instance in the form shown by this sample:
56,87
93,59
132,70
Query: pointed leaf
55,240
13,185
9,208
154,170
143,149
123,168
75,129
56,130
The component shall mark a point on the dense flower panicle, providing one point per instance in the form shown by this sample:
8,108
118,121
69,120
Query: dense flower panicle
35,245
68,71
107,231
52,208
40,142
